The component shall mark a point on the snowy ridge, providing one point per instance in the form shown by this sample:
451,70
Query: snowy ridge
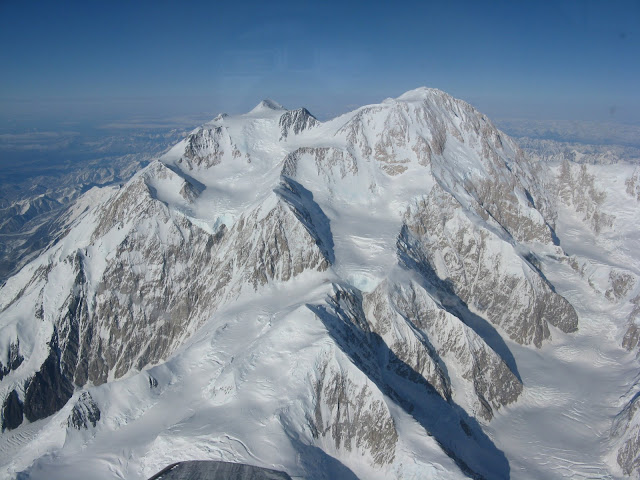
342,299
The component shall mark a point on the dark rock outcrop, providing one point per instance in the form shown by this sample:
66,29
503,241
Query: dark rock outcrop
85,412
11,412
211,470
296,121
48,390
13,362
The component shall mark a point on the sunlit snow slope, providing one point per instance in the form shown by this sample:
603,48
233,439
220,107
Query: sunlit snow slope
398,292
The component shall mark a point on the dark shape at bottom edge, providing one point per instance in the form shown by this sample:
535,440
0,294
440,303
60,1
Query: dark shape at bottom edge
214,470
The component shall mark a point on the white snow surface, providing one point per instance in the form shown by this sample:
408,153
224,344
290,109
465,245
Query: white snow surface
577,384
220,395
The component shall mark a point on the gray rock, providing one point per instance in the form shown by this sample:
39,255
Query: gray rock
621,283
326,160
633,184
463,278
48,390
576,187
294,122
85,412
335,390
632,335
443,243
626,430
213,470
352,418
14,359
411,322
136,312
206,147
12,414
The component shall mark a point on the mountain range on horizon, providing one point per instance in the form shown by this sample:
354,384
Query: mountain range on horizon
398,292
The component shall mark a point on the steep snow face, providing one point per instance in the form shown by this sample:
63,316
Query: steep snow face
465,154
462,189
356,285
266,106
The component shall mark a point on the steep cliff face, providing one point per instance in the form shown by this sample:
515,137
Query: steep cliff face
472,203
625,433
632,184
354,284
411,374
462,151
482,268
294,122
207,147
577,189
463,366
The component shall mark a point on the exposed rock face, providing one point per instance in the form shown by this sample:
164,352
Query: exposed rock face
632,335
633,185
294,122
352,417
157,255
85,412
146,265
206,147
398,330
576,187
502,184
12,414
621,283
275,244
628,458
48,390
349,408
326,160
14,359
484,271
34,213
99,328
406,317
353,413
626,430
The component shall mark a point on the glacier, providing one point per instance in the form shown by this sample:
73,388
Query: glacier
398,292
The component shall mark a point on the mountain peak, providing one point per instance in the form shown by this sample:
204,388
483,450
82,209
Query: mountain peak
267,105
359,268
419,93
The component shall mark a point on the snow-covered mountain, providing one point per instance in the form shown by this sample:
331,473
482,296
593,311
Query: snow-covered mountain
30,211
43,173
375,296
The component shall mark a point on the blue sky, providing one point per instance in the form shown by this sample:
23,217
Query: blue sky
90,61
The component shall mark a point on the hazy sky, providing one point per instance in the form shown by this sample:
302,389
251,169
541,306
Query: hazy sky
65,61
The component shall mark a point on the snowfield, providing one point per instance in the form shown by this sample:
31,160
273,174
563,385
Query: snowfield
398,292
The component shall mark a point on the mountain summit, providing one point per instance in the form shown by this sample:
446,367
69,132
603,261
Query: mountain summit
266,105
333,299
